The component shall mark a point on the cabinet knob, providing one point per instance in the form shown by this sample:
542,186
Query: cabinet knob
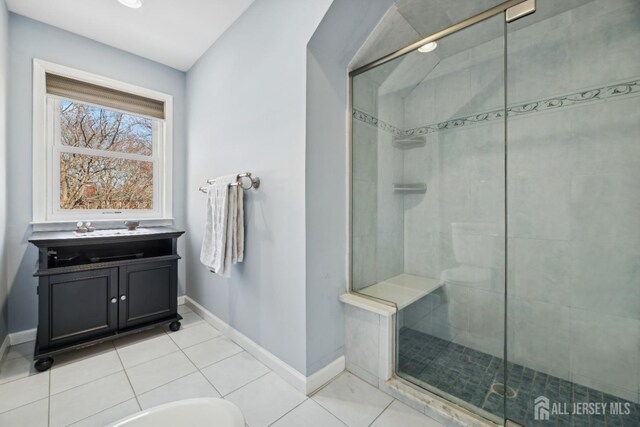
114,300
123,297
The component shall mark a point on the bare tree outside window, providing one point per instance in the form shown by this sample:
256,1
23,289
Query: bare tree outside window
102,159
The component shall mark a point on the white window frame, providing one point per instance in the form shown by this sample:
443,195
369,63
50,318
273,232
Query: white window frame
46,164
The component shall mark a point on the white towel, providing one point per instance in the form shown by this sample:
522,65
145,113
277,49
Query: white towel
223,242
239,247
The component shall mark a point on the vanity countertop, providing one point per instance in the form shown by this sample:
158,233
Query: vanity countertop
43,238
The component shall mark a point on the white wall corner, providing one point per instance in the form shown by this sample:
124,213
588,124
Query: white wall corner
299,381
318,379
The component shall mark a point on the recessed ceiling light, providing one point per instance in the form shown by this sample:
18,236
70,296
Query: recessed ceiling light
134,4
429,47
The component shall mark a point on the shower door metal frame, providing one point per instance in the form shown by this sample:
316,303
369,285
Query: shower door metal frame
489,13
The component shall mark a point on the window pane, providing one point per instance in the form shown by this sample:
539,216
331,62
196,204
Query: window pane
87,126
96,182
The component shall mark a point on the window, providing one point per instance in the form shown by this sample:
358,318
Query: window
101,148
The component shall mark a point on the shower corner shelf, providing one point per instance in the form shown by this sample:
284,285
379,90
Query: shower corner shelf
417,188
407,142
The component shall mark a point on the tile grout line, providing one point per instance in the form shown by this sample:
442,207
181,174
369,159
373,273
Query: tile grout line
179,378
137,342
393,399
190,361
133,390
210,383
54,366
49,402
383,411
147,361
126,374
85,383
205,367
162,385
178,348
243,386
327,384
183,376
217,361
99,412
80,385
325,408
207,340
289,411
22,406
228,357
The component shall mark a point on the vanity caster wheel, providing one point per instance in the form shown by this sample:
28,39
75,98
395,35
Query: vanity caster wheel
174,326
43,364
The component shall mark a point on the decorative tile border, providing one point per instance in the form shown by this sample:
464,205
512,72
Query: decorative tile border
374,121
593,95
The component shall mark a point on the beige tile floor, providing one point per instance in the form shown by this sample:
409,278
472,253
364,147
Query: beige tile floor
103,383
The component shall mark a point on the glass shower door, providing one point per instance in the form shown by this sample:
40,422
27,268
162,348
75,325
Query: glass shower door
428,198
451,341
574,214
457,184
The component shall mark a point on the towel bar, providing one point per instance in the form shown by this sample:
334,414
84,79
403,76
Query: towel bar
255,182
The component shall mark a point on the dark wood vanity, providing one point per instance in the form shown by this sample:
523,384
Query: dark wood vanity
99,286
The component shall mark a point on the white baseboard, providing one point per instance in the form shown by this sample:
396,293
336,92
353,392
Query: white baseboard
306,385
181,300
318,379
22,336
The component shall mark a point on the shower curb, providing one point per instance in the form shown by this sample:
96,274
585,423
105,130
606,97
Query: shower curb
434,406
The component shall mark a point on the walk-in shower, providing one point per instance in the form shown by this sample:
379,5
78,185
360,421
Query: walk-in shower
496,203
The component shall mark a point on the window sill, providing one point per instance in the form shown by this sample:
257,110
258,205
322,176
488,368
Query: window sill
62,225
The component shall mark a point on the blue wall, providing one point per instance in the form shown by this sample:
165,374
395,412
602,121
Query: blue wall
246,112
31,39
337,39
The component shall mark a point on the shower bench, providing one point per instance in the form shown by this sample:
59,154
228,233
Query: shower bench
99,286
403,289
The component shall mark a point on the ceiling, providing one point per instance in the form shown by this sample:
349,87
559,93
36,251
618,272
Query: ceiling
172,32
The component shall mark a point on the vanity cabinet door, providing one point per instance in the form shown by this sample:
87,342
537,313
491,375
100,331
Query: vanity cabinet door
78,306
148,292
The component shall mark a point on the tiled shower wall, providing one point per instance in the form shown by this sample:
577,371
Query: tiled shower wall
573,194
574,199
377,212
